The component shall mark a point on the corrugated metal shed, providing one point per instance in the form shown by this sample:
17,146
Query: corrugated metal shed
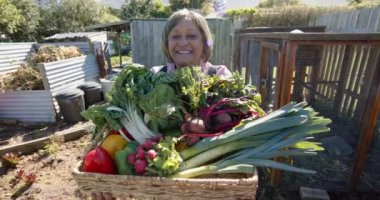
79,36
67,73
27,106
13,54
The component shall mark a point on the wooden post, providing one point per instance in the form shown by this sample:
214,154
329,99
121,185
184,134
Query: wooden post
280,71
368,125
263,77
284,97
119,49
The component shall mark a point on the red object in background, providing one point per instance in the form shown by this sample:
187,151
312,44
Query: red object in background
99,161
114,132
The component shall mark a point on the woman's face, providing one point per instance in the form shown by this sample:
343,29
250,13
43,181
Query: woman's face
185,44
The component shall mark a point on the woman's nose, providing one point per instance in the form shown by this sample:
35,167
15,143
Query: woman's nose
183,41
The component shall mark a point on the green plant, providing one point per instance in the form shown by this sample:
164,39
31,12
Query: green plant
53,146
10,160
115,60
241,12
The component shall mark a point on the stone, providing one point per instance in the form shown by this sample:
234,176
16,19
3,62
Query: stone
307,193
337,145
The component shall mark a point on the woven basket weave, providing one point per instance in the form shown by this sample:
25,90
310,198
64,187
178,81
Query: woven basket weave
143,187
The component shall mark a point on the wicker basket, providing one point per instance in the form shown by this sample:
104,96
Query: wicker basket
143,187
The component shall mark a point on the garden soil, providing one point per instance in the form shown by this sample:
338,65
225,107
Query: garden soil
53,164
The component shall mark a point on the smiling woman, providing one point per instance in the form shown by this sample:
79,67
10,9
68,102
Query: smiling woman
186,41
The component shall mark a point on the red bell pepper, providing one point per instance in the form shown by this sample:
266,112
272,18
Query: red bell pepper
99,161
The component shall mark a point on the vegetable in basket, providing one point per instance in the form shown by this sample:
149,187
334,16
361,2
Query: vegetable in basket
113,143
233,133
99,161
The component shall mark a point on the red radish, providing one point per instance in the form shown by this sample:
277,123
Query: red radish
140,154
140,166
151,154
148,143
132,158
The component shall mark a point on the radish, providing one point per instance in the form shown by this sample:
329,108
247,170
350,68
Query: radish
140,152
151,154
149,143
140,166
131,158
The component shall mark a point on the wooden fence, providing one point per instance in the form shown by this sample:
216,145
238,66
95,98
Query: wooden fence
335,71
146,41
353,21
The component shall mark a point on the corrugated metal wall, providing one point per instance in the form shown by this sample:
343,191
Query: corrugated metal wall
146,41
13,54
27,106
86,47
354,21
63,74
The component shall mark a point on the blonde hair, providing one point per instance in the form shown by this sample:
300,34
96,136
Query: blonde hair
198,20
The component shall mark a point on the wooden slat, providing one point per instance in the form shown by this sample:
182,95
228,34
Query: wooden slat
358,80
367,79
370,117
342,80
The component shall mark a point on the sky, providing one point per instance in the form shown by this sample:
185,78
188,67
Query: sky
232,4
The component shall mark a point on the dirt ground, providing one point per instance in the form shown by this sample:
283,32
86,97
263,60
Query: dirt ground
52,165
52,168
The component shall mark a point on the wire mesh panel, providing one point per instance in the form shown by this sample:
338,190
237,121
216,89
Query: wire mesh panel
337,74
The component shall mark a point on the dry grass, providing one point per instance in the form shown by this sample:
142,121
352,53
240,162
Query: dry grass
27,76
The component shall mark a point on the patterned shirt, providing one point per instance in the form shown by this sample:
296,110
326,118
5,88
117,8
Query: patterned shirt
207,68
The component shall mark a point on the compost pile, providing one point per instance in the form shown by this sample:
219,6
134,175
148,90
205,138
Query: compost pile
27,76
186,124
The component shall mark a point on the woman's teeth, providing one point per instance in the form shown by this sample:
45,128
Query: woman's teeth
183,52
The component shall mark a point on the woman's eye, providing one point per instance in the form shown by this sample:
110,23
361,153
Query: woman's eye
192,37
175,37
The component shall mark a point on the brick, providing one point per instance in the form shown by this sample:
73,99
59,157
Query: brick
313,194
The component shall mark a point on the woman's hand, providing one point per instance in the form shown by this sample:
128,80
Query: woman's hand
102,196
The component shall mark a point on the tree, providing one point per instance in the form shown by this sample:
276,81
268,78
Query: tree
27,29
207,7
10,17
179,4
144,9
364,3
72,15
277,3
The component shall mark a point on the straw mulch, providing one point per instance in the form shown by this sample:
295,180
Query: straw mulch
27,76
